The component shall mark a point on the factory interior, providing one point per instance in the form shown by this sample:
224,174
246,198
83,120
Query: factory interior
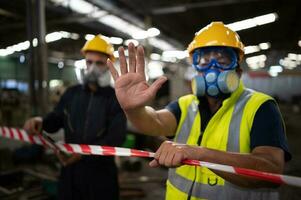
42,55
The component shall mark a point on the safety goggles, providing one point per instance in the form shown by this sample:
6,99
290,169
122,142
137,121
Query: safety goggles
221,57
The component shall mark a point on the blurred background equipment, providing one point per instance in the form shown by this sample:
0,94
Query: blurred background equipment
40,58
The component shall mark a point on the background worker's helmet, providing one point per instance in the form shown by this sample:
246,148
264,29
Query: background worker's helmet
99,44
216,34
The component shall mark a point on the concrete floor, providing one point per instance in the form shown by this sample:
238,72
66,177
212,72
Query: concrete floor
292,118
149,183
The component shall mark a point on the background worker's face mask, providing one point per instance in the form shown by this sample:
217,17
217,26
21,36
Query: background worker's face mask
216,66
97,75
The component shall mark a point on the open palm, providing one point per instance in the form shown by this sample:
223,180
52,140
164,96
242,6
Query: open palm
131,88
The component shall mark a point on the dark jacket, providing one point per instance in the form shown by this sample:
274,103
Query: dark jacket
87,117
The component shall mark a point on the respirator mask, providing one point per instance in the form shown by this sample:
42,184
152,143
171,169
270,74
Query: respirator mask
97,75
216,66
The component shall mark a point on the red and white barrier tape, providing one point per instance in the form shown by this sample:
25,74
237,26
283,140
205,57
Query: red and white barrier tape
19,134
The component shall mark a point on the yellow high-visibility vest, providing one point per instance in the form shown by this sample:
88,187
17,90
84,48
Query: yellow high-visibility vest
228,130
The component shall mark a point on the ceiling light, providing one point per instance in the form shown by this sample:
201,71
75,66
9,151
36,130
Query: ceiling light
22,59
155,69
265,19
116,55
98,13
60,65
255,59
113,21
35,42
241,25
115,40
74,36
292,56
140,35
161,44
251,49
264,45
176,54
169,59
21,46
253,66
55,83
155,56
120,24
256,48
89,37
81,6
152,32
253,22
135,42
51,37
288,63
276,68
256,62
273,74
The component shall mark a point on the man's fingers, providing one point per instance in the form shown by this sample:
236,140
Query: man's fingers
29,127
165,151
26,126
169,159
32,129
112,69
153,89
154,163
140,61
36,127
177,159
158,153
132,58
122,60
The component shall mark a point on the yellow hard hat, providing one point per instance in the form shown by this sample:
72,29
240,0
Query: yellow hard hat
99,44
216,34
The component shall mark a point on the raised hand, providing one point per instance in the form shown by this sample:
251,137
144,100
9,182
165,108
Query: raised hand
131,88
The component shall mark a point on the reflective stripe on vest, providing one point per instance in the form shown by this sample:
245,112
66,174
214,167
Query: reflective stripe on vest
187,124
218,192
234,131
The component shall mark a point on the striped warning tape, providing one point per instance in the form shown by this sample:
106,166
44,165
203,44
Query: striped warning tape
19,134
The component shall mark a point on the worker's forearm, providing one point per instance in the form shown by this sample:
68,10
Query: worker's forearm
241,160
146,120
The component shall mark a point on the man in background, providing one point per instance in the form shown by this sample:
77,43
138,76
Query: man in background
89,113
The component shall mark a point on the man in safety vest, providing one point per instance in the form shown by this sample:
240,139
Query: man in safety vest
89,113
222,122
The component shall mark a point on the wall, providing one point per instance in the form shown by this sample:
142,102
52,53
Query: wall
284,86
11,68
